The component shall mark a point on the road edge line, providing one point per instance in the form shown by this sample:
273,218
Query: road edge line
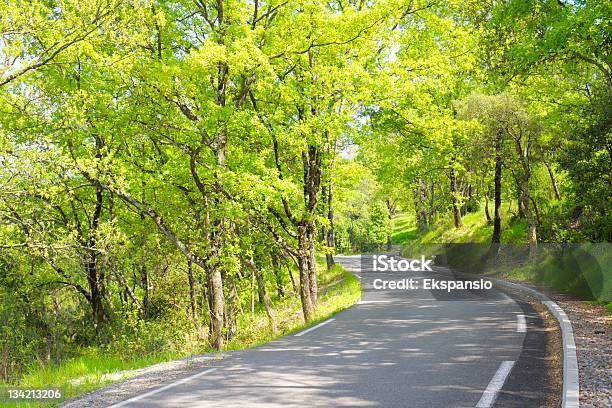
316,326
489,396
521,323
571,382
160,389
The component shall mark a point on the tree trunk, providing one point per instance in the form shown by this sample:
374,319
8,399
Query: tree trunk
192,294
96,302
496,238
218,233
312,264
252,292
390,212
389,239
454,194
553,179
95,280
486,209
232,309
209,304
531,230
303,261
263,294
144,278
293,284
432,209
415,199
520,201
216,309
311,162
537,212
215,281
329,233
470,198
420,199
280,290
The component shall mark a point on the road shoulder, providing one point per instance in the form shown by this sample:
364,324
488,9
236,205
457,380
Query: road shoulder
145,379
593,337
537,377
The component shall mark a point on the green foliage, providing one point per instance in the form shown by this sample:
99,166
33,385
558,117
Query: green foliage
475,229
579,269
362,221
404,229
165,167
137,343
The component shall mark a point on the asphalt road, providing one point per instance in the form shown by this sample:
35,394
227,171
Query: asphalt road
412,348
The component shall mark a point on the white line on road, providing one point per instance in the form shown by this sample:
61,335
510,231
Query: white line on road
359,276
314,327
521,323
165,387
365,302
497,382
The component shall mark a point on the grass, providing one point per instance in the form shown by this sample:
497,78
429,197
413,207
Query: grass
338,289
84,373
404,229
582,270
475,228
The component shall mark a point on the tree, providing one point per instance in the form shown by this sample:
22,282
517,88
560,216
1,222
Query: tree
505,120
34,34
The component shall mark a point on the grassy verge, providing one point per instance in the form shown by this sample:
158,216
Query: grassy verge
582,270
578,285
404,229
90,370
579,269
93,368
338,289
475,228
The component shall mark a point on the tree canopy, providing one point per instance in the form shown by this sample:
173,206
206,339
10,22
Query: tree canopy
165,158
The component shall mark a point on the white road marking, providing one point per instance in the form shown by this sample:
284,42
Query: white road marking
314,327
359,276
158,390
521,323
365,302
495,385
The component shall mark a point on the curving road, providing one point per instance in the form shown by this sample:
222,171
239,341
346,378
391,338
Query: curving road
413,348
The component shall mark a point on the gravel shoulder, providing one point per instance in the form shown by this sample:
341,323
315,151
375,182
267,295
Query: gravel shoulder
144,379
593,335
